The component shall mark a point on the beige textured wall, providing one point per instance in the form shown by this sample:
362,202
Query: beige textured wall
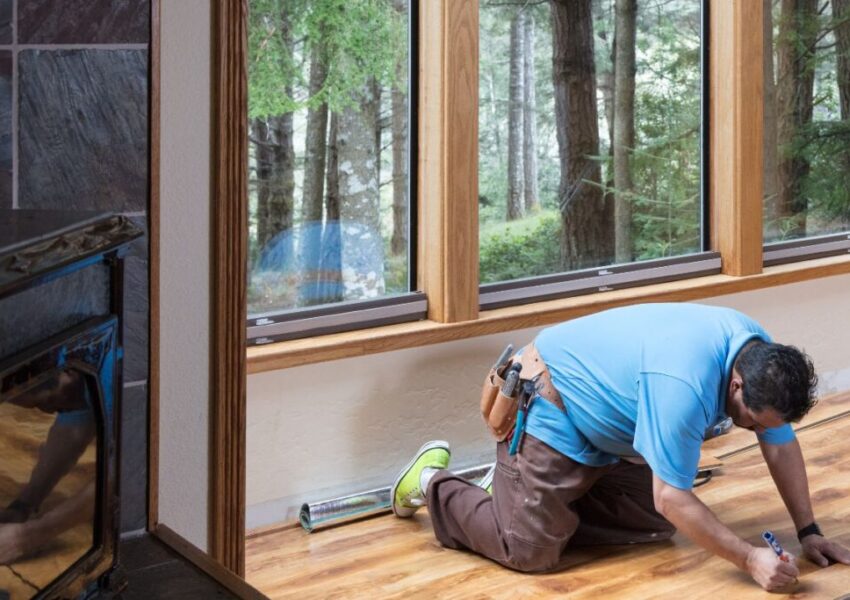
184,268
322,430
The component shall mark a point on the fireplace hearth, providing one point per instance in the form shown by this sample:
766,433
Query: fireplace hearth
61,304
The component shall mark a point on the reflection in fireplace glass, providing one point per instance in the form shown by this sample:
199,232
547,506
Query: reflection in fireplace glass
48,479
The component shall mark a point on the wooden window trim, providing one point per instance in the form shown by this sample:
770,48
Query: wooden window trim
422,333
735,126
447,239
229,301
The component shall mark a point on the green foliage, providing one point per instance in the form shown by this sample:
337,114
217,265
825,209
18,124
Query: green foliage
523,248
359,41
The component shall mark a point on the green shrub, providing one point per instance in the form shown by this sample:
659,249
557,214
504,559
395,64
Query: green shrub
523,248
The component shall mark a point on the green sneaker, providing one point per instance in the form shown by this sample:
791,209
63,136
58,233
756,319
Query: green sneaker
486,482
406,494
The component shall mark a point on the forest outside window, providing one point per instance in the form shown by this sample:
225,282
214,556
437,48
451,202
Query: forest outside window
330,103
590,146
806,129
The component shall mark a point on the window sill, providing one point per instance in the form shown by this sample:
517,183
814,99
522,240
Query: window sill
421,333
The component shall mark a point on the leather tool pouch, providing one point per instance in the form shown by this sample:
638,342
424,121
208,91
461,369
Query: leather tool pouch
500,411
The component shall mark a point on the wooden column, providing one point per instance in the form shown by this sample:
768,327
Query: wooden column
229,297
448,159
736,170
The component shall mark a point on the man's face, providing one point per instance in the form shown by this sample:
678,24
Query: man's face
742,416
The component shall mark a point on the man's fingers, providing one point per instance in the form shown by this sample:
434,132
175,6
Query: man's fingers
839,553
818,558
789,569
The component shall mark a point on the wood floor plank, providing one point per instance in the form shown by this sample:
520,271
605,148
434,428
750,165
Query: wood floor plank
387,557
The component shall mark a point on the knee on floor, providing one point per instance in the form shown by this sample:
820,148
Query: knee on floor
528,558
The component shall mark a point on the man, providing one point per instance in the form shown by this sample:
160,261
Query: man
612,442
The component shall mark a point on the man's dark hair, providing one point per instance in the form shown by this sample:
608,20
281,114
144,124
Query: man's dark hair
779,377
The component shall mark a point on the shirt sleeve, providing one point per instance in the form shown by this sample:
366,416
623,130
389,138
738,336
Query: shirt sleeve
778,435
669,428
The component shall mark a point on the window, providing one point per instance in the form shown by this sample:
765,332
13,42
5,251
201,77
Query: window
329,107
597,162
807,129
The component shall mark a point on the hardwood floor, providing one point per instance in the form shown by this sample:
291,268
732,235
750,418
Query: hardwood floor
387,557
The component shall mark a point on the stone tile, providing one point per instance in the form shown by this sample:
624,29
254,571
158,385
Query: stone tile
176,580
134,458
83,21
5,21
83,130
142,552
5,126
136,308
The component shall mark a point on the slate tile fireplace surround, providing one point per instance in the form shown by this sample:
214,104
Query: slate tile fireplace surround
74,136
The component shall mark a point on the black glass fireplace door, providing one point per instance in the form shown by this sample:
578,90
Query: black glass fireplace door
57,472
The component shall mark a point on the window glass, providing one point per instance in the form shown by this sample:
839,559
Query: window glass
589,134
329,114
807,119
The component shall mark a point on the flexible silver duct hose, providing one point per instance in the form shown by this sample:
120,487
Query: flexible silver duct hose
317,515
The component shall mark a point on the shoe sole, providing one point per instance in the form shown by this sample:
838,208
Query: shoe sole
403,511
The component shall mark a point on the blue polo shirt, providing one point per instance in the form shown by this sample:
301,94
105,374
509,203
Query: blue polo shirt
646,380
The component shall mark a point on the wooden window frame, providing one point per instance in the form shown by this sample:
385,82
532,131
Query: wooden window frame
448,221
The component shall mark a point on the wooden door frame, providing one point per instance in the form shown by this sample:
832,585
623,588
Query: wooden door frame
229,284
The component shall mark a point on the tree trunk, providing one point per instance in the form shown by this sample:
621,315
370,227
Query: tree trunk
332,182
606,86
315,141
841,14
586,238
282,178
514,204
398,243
624,125
529,120
263,159
359,208
770,125
330,269
795,88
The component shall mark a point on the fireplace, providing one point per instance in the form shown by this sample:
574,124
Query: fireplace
61,302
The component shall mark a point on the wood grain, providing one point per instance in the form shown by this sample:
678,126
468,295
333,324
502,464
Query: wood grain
229,276
394,558
448,159
422,333
736,107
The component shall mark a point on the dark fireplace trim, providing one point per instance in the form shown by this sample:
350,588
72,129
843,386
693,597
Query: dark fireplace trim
62,252
92,349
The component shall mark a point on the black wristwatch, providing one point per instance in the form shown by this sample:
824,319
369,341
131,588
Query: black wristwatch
810,529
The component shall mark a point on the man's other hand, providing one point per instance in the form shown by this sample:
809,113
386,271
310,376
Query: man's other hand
769,572
821,551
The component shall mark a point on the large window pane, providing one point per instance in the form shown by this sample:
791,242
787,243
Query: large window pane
588,157
329,105
807,118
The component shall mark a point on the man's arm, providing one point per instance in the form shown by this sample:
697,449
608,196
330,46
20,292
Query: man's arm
695,520
788,470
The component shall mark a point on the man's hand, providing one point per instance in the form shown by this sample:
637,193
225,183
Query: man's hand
769,572
820,550
11,543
